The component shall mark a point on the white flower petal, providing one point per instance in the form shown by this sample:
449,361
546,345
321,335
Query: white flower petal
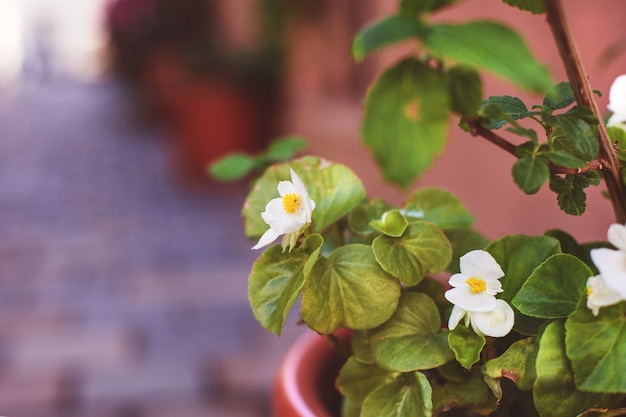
268,237
276,217
458,280
612,266
463,298
617,95
617,119
307,204
480,263
456,315
599,295
496,323
617,236
286,187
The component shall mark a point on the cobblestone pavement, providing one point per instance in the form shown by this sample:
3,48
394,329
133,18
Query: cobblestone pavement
122,290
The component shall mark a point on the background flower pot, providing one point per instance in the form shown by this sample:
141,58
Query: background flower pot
305,382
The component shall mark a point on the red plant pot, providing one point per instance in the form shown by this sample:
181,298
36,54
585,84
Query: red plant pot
305,384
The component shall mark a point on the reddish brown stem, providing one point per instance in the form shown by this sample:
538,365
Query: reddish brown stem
584,97
499,141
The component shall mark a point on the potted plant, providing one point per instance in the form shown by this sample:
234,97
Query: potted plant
215,95
441,320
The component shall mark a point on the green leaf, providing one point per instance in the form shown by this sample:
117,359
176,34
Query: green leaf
422,248
571,246
274,286
390,30
530,173
410,395
576,133
285,148
466,90
359,219
392,223
471,394
334,188
232,167
357,379
463,241
517,363
527,133
491,46
559,96
596,345
412,339
437,206
565,159
466,345
618,136
554,392
416,6
533,6
348,289
554,288
570,193
519,255
501,110
360,344
406,120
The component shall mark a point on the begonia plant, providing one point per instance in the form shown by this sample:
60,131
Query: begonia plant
442,320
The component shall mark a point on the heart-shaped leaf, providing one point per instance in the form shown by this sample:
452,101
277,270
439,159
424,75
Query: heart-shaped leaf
554,289
406,120
466,345
410,395
392,223
357,379
491,46
274,286
348,289
437,206
554,392
518,256
596,345
422,248
412,339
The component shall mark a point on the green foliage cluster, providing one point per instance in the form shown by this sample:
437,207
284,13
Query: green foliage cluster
371,267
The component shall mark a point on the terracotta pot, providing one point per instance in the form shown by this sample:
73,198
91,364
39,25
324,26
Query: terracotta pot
305,384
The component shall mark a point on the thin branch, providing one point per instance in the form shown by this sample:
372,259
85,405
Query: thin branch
584,97
595,165
499,141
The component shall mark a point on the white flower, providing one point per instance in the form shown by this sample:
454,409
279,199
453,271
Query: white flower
474,296
617,101
599,295
612,263
288,214
475,287
496,323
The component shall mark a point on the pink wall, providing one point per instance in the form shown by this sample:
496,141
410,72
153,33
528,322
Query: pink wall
471,168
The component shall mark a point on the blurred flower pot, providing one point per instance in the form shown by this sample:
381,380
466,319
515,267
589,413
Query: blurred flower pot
212,117
304,385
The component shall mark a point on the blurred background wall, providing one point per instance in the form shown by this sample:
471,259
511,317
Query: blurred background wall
122,266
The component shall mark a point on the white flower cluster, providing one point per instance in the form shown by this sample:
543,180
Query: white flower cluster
617,102
474,296
287,215
609,287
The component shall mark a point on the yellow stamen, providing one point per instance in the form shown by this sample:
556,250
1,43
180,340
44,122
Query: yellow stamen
589,291
291,202
476,284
